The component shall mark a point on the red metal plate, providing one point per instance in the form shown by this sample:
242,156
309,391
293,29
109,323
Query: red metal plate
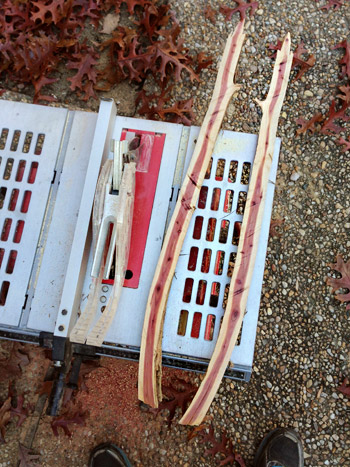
145,188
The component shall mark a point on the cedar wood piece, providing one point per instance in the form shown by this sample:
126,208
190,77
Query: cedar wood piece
149,387
248,242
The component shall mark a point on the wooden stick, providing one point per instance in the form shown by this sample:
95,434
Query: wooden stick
149,388
249,240
123,234
82,326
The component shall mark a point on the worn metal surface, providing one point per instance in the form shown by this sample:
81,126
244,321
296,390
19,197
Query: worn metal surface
27,168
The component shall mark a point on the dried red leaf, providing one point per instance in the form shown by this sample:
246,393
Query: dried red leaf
345,93
241,8
308,125
345,387
344,62
85,78
221,445
13,364
46,388
47,11
341,283
343,142
298,62
275,227
89,10
64,421
180,112
5,416
329,126
26,457
153,18
203,61
179,394
336,4
210,14
19,411
86,368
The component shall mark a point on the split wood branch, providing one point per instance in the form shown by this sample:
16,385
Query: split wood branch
149,388
82,326
249,240
123,226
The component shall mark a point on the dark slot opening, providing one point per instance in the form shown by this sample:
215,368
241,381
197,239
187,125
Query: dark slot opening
2,253
18,232
20,170
196,325
228,201
32,172
202,201
3,191
39,144
26,201
3,292
3,137
6,229
27,142
232,174
245,173
15,140
231,263
206,260
224,231
8,168
226,291
11,261
236,232
219,175
198,224
209,328
211,229
192,260
188,290
242,199
13,199
214,294
208,171
219,262
202,287
181,328
215,199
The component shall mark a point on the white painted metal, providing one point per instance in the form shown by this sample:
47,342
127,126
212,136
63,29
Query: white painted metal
38,120
49,286
127,324
230,146
76,269
63,277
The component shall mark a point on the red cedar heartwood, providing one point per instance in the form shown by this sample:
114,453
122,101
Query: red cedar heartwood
248,242
149,388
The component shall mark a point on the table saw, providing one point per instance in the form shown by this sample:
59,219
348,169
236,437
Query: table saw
50,163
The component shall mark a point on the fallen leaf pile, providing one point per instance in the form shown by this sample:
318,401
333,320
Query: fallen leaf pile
40,38
332,123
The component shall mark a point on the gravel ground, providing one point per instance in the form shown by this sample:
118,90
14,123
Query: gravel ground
302,346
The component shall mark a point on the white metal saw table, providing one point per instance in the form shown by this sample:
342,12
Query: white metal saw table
50,160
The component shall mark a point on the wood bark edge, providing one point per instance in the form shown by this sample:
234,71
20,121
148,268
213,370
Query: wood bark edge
249,239
149,387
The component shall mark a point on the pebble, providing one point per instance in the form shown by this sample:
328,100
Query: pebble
295,176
